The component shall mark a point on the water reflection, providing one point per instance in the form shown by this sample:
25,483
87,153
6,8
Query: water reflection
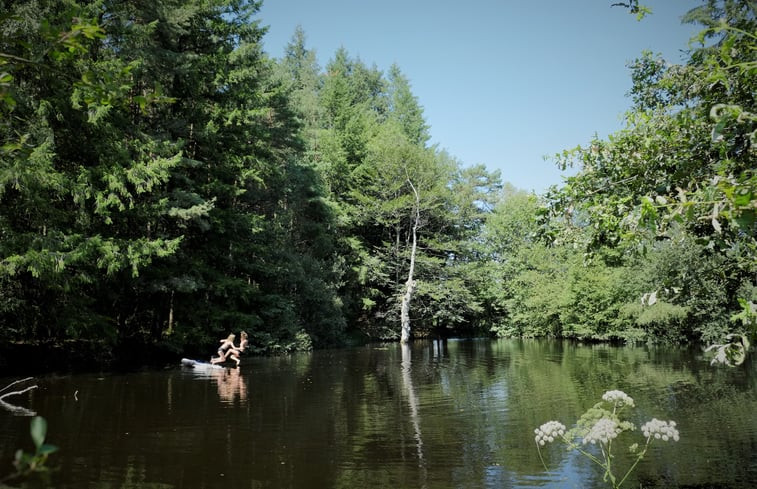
431,414
412,400
230,382
230,385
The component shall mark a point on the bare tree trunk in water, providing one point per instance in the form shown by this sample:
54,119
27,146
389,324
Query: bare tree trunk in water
410,284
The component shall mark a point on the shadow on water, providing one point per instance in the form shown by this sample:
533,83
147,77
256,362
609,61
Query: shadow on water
437,414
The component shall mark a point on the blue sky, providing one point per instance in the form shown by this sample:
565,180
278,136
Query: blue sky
502,82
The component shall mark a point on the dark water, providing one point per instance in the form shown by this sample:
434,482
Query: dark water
459,414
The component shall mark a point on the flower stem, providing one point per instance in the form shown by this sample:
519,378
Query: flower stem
538,449
638,459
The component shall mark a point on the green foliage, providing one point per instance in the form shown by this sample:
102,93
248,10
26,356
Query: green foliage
686,153
155,194
366,138
163,182
27,464
633,6
550,287
68,186
405,109
734,351
537,294
596,294
673,191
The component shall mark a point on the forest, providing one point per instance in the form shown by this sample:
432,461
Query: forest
164,181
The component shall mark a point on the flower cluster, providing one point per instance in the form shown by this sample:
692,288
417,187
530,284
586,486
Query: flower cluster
600,426
603,431
618,398
660,430
548,432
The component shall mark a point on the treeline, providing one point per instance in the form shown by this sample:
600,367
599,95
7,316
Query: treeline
164,182
654,237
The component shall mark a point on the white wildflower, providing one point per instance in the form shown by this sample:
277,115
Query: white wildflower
618,398
548,432
660,430
603,431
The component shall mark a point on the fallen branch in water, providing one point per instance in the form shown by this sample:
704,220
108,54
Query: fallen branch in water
12,408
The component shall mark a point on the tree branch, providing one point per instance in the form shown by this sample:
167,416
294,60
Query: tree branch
12,408
14,383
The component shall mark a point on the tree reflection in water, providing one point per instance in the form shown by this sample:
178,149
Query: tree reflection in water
442,415
412,399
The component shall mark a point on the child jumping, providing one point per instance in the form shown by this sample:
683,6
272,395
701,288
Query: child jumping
227,345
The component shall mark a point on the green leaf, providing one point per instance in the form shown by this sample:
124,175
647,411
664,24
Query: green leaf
742,197
46,449
38,431
745,219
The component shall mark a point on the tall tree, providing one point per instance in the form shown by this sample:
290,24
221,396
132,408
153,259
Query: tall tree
301,73
405,107
409,288
155,192
72,182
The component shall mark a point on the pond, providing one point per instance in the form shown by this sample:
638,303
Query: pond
437,414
